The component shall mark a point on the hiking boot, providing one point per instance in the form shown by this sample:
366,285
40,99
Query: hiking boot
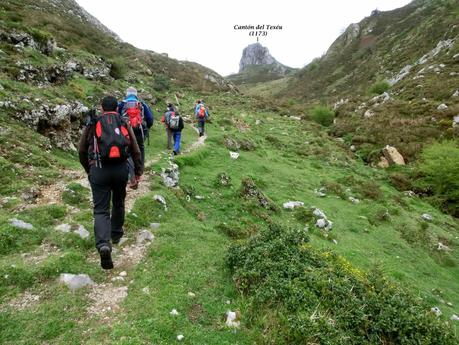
106,257
133,184
174,152
201,134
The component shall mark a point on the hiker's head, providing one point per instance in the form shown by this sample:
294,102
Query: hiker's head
131,91
199,101
109,103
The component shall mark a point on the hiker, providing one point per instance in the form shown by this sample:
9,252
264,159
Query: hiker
140,117
165,120
201,114
106,143
176,126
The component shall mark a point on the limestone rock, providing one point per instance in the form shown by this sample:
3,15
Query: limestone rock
290,205
145,236
442,106
255,54
383,162
82,232
171,175
75,281
393,156
20,224
232,319
63,228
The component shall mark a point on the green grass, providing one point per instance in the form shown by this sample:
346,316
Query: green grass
290,159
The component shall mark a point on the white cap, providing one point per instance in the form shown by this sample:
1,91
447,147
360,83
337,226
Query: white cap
131,91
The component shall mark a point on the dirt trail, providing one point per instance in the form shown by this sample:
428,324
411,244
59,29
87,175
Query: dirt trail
106,296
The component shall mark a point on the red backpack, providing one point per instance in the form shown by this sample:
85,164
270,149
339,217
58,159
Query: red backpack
202,112
111,138
134,111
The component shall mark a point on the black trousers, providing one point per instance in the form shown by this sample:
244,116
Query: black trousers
140,137
201,124
108,184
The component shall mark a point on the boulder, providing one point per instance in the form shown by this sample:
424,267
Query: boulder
171,176
234,155
63,228
82,232
442,106
383,162
426,217
393,156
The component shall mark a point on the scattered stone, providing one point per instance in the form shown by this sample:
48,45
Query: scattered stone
199,197
353,148
354,200
174,312
232,319
409,193
63,228
290,205
442,247
455,94
454,317
145,235
234,155
154,225
393,156
123,274
442,106
456,121
161,200
427,217
191,294
115,279
31,194
335,241
225,180
82,232
75,281
20,224
295,118
171,176
436,311
180,337
369,113
146,290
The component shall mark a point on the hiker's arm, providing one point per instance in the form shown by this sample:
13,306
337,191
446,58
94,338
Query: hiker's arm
135,153
148,114
181,124
83,147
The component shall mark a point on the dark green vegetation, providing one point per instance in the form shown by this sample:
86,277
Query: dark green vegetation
314,296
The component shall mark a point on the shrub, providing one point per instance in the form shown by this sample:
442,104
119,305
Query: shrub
118,68
379,87
301,295
161,83
439,169
323,115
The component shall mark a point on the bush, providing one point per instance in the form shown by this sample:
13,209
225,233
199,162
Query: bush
438,169
379,87
301,295
323,115
161,83
118,68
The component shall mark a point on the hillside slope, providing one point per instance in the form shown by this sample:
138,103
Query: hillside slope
56,60
412,53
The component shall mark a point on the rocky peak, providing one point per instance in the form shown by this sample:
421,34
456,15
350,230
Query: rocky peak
255,54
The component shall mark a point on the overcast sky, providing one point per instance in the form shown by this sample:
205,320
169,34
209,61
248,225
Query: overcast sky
203,30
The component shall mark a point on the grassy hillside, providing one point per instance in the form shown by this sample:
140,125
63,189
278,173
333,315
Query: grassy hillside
281,159
412,54
384,271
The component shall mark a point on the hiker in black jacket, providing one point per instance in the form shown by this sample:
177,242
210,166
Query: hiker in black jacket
106,143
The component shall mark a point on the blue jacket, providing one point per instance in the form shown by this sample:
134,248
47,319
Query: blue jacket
147,113
196,110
